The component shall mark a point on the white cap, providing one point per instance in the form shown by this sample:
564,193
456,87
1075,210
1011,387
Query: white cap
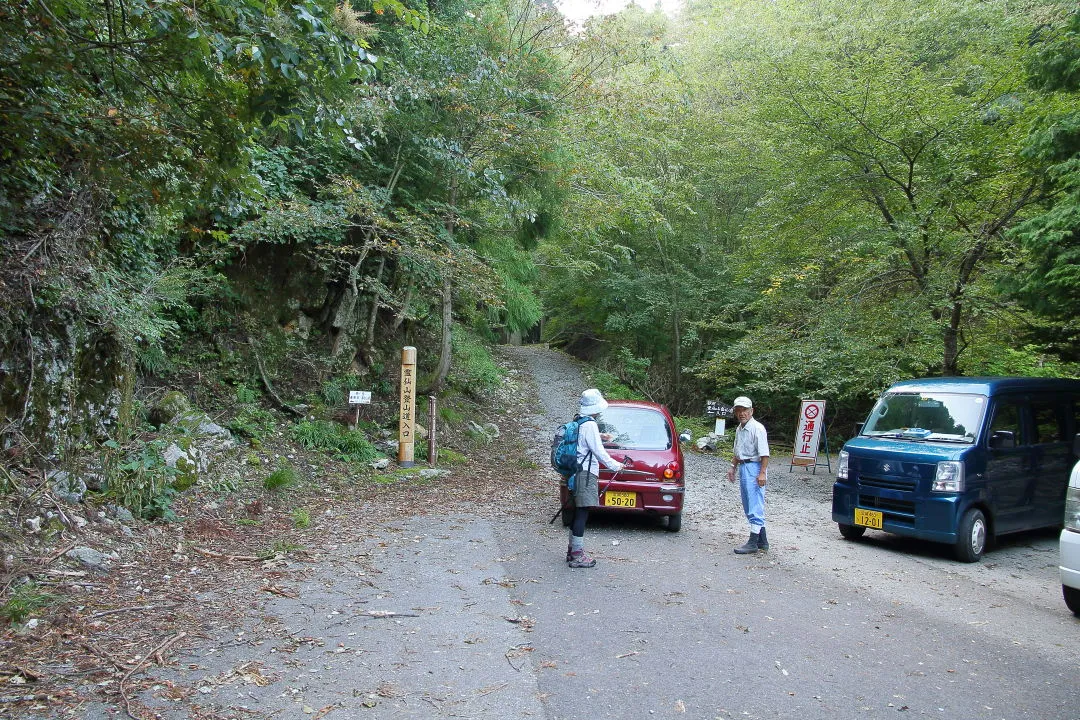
744,402
591,402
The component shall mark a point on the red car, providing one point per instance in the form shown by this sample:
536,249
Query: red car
645,433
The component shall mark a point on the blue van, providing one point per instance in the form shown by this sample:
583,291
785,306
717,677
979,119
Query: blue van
960,460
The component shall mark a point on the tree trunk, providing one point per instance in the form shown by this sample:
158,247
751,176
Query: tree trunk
446,347
368,350
952,342
676,355
399,318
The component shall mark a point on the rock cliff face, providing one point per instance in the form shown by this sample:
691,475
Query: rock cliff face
63,384
68,381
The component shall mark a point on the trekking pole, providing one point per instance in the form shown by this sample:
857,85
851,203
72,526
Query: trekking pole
625,461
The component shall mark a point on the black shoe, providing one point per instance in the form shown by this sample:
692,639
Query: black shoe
762,541
749,548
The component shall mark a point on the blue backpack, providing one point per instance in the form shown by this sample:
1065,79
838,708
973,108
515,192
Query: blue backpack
564,449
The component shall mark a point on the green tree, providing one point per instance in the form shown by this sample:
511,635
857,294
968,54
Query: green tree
1050,282
893,136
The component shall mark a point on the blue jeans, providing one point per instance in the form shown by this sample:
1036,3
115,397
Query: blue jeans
753,495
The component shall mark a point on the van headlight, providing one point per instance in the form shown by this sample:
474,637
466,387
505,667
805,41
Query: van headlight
949,477
1072,509
842,465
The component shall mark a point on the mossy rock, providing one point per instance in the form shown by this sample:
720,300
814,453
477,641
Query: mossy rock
172,405
184,460
187,474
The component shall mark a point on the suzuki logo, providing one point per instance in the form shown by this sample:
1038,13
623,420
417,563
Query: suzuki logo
886,467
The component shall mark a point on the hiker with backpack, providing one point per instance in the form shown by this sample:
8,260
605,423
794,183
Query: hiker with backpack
584,483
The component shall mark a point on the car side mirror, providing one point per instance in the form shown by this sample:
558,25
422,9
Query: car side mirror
857,430
685,436
1003,439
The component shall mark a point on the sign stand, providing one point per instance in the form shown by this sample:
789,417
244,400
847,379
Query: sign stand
358,398
431,451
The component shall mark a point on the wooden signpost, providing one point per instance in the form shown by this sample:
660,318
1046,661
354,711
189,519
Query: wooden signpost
407,413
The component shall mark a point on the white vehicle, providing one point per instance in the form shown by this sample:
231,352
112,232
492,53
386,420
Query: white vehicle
1070,540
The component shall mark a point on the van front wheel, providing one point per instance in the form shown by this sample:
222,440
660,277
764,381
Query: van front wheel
851,532
971,536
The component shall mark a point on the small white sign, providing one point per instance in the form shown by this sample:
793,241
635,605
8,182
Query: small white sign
359,397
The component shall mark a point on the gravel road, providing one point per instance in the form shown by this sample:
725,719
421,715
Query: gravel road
462,607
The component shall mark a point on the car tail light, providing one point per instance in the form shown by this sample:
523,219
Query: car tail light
672,470
1072,509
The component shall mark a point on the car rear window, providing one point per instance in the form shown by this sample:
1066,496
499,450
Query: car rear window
635,428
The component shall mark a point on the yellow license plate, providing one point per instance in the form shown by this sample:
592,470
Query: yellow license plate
620,499
868,518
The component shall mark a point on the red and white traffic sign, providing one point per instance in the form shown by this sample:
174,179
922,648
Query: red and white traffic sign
808,435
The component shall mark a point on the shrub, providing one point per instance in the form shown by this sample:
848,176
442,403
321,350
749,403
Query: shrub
347,445
280,478
449,415
253,423
26,600
450,457
139,479
475,371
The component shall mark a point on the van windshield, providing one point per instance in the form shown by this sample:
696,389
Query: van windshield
946,417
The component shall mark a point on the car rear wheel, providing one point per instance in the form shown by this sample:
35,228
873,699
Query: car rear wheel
971,537
851,532
1072,599
674,522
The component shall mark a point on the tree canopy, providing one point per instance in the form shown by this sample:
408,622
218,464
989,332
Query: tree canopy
782,198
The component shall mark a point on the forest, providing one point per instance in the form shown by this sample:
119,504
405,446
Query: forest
251,200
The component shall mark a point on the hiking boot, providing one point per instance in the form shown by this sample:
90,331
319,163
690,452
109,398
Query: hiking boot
762,541
578,559
750,547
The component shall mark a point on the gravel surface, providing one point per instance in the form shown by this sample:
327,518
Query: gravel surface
419,598
1020,570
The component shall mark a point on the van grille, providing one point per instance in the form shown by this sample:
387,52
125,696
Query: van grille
903,484
897,510
891,507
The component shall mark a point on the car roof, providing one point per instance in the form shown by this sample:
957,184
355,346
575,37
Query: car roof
639,404
986,385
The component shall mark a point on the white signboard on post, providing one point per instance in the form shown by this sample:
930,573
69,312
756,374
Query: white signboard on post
359,397
808,435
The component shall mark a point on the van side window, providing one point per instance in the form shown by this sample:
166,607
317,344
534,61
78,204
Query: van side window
1005,427
1049,422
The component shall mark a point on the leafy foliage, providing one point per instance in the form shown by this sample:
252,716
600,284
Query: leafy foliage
475,372
1050,284
26,600
344,444
280,478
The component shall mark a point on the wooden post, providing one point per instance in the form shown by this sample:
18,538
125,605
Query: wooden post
431,431
407,412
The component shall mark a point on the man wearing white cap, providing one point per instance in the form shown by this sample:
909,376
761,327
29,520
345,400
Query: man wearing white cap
590,453
749,461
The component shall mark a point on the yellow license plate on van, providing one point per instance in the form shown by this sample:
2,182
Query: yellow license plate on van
620,499
868,518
